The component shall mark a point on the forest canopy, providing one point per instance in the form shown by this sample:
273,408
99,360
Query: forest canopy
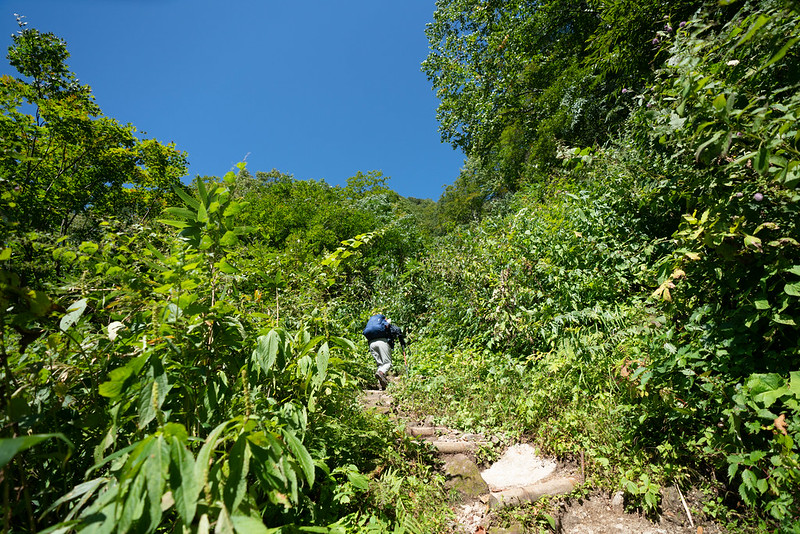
614,276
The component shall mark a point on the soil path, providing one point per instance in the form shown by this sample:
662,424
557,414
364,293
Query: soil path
520,477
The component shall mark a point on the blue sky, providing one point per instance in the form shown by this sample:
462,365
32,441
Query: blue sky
318,89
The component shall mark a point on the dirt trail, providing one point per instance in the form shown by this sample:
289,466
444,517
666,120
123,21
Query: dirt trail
520,477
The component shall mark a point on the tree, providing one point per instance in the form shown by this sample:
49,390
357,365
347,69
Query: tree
304,216
62,155
518,78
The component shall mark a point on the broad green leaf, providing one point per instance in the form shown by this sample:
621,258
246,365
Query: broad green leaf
763,382
308,343
344,343
226,267
224,524
783,320
156,252
243,524
762,304
175,224
190,201
154,393
202,214
707,150
794,383
73,314
266,351
752,241
749,478
201,466
180,212
768,398
183,481
85,490
234,208
176,430
792,289
5,254
206,242
202,192
155,470
358,480
780,53
239,467
134,503
761,161
323,357
760,21
204,525
720,102
117,383
88,247
10,447
301,454
229,239
733,468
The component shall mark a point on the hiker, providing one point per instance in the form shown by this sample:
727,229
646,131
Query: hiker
381,335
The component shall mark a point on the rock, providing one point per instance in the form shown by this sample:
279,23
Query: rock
464,476
429,421
518,467
618,500
421,430
454,447
529,494
515,528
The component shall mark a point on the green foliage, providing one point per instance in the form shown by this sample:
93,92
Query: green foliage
62,156
518,78
633,301
185,408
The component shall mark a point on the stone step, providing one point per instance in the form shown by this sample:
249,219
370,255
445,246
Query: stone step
532,493
456,447
420,431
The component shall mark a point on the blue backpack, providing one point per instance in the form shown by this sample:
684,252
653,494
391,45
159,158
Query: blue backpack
377,326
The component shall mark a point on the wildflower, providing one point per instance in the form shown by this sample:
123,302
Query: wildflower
739,194
758,197
682,24
649,104
624,90
655,41
732,63
667,28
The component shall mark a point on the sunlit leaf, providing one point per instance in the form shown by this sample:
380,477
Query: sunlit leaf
183,480
792,289
301,454
10,447
238,469
188,199
74,313
251,525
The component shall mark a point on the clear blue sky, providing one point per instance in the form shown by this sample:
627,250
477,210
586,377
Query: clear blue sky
318,89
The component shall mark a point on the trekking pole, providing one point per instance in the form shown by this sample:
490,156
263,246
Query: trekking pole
405,358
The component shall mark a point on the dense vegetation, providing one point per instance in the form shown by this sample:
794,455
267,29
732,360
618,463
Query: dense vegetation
615,273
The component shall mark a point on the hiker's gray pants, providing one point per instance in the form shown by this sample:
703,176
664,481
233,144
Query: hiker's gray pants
382,352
